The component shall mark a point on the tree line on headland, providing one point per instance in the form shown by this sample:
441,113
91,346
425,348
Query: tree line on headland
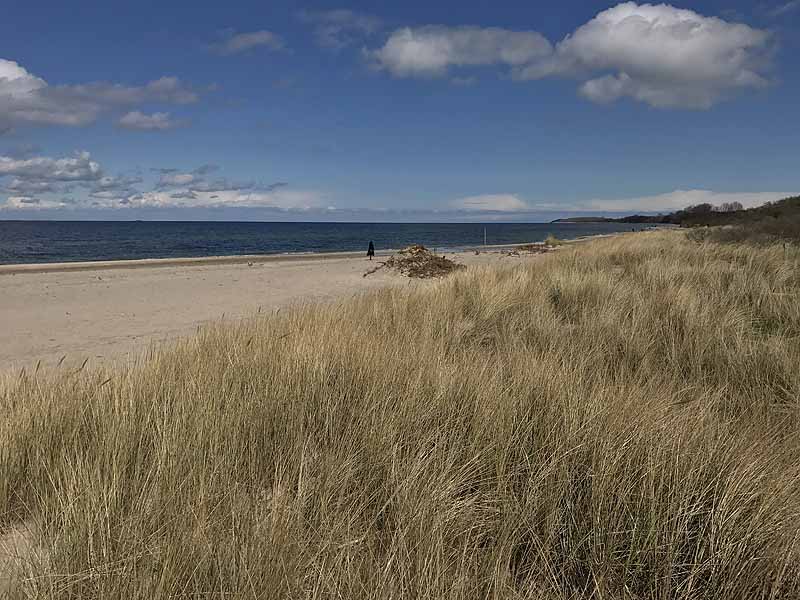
779,219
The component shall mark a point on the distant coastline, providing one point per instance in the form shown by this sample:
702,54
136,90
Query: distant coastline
631,219
705,215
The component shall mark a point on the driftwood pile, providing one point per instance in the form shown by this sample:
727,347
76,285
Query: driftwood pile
419,262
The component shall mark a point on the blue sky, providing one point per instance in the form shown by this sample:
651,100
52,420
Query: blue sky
414,111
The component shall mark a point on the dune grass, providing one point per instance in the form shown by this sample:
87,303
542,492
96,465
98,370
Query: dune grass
552,241
617,419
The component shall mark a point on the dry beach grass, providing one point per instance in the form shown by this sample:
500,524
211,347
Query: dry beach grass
616,420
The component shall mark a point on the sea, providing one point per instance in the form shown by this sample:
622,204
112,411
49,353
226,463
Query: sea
70,241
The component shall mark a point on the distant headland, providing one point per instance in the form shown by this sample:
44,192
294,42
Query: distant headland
699,215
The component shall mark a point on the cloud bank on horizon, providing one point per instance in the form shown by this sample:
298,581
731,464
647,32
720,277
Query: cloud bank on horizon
27,178
661,56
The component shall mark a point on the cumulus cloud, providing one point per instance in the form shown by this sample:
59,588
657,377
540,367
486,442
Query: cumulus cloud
32,203
196,181
661,55
656,54
490,203
177,179
160,121
29,187
115,186
337,29
39,183
236,43
79,167
430,51
282,199
33,182
26,99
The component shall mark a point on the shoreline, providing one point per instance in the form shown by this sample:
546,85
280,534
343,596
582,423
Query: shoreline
235,259
192,261
111,311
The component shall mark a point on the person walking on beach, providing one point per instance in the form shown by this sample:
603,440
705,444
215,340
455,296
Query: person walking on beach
371,250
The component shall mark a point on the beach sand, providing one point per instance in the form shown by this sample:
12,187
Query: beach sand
113,311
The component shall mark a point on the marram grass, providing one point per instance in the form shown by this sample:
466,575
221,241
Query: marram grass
618,419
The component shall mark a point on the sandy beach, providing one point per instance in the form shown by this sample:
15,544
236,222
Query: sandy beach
111,311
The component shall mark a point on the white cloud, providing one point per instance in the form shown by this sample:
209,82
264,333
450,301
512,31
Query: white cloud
242,42
491,203
26,99
282,199
32,182
339,28
160,121
221,185
108,182
784,8
26,186
32,203
111,187
661,55
39,183
80,167
656,54
178,179
431,50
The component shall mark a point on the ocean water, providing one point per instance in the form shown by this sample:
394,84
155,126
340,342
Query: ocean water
67,241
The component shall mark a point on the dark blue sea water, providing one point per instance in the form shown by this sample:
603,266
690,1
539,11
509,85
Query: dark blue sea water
64,241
